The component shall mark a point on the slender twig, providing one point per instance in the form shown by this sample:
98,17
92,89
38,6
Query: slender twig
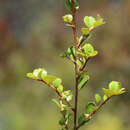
66,124
81,69
83,37
92,113
76,66
54,89
62,109
50,86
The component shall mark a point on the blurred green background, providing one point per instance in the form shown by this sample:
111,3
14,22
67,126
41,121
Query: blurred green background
32,34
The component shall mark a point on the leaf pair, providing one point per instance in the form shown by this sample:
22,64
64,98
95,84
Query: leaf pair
57,83
87,51
115,88
41,74
69,53
91,22
92,106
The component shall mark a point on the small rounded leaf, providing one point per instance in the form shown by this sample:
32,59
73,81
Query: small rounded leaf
60,88
43,73
85,31
57,82
30,75
68,18
56,102
37,72
89,21
107,92
115,86
105,97
83,81
49,79
89,50
99,21
62,121
90,107
98,98
69,98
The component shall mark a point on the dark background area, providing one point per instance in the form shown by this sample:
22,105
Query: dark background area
32,35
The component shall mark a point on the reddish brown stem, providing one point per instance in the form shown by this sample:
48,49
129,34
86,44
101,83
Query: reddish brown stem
76,67
81,69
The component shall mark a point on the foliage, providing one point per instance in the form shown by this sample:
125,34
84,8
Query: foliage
79,54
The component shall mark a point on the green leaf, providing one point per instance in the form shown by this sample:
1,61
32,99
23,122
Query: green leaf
64,106
99,21
49,79
89,50
105,97
69,98
79,63
71,52
85,31
76,5
107,92
68,116
83,119
83,81
68,5
37,72
67,95
64,54
115,86
65,119
98,98
62,121
94,54
30,75
60,88
121,91
90,107
43,73
68,18
69,25
57,82
56,102
89,21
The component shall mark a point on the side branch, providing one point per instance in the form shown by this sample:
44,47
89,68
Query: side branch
59,95
84,37
92,113
81,69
